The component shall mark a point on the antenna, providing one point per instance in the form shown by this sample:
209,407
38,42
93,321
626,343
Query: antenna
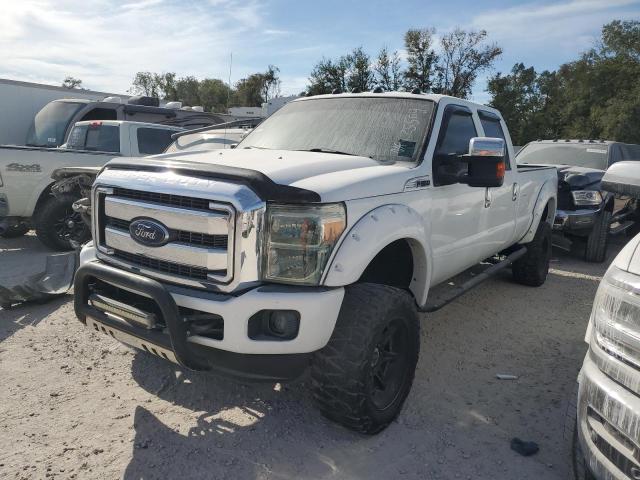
228,91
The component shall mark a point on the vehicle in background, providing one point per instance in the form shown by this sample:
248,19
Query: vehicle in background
21,101
585,211
221,136
316,242
26,182
606,443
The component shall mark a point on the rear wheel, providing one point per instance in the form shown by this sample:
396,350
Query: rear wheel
598,239
15,230
57,225
533,267
363,376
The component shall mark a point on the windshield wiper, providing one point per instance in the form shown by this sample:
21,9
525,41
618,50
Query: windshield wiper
327,150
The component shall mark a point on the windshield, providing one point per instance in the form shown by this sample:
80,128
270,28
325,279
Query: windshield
576,155
384,129
50,124
206,141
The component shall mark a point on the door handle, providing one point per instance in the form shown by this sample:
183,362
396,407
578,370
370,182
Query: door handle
514,192
487,198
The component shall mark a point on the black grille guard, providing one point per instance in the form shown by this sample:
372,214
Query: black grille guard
147,287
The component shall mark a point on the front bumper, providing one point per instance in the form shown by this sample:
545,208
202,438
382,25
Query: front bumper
577,222
235,353
608,424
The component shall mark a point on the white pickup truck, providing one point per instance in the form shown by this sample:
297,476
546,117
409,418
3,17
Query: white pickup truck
315,243
25,176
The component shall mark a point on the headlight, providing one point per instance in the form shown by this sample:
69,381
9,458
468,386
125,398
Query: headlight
299,240
616,315
587,197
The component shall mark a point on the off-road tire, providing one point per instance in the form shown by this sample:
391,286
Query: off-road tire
344,388
15,231
598,239
532,268
47,220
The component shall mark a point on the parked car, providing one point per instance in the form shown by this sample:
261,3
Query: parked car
26,199
584,210
208,139
316,242
607,435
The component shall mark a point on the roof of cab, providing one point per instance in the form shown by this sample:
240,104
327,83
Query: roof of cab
420,96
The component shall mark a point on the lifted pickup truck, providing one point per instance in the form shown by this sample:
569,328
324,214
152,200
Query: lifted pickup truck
26,176
316,242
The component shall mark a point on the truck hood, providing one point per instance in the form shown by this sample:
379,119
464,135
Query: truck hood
333,176
579,178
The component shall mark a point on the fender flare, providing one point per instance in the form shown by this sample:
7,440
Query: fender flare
373,232
547,195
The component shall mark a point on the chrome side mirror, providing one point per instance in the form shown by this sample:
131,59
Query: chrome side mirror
486,147
485,162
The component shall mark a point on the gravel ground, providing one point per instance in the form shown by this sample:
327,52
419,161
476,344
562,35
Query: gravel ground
77,404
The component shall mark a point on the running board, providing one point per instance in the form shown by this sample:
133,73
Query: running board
451,292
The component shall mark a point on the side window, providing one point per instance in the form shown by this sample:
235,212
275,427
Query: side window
152,141
457,129
492,128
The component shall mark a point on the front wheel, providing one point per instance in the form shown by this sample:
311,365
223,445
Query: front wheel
362,377
598,239
532,268
58,226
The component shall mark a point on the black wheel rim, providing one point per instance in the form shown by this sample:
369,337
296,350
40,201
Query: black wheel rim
70,226
389,365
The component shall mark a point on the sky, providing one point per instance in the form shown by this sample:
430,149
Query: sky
105,42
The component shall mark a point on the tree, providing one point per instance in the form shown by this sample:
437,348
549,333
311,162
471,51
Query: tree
596,96
328,75
248,91
421,58
214,94
271,83
145,83
359,74
188,90
387,70
463,57
71,82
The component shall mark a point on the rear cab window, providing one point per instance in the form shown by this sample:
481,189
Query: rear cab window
95,137
152,141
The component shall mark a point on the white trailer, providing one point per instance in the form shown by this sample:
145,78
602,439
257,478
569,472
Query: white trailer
20,101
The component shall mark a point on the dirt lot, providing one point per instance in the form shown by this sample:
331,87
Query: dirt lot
76,404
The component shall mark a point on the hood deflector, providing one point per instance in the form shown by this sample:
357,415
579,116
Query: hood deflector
263,186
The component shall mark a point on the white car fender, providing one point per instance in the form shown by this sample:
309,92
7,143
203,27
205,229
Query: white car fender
547,195
374,231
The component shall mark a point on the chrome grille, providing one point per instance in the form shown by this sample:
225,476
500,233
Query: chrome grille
201,233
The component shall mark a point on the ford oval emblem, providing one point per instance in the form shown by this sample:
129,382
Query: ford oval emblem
149,232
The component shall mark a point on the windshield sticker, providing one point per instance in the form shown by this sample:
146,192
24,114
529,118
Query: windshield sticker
595,150
406,148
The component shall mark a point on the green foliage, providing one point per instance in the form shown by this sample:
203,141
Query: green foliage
453,73
351,71
211,93
463,57
596,96
71,82
421,58
387,70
